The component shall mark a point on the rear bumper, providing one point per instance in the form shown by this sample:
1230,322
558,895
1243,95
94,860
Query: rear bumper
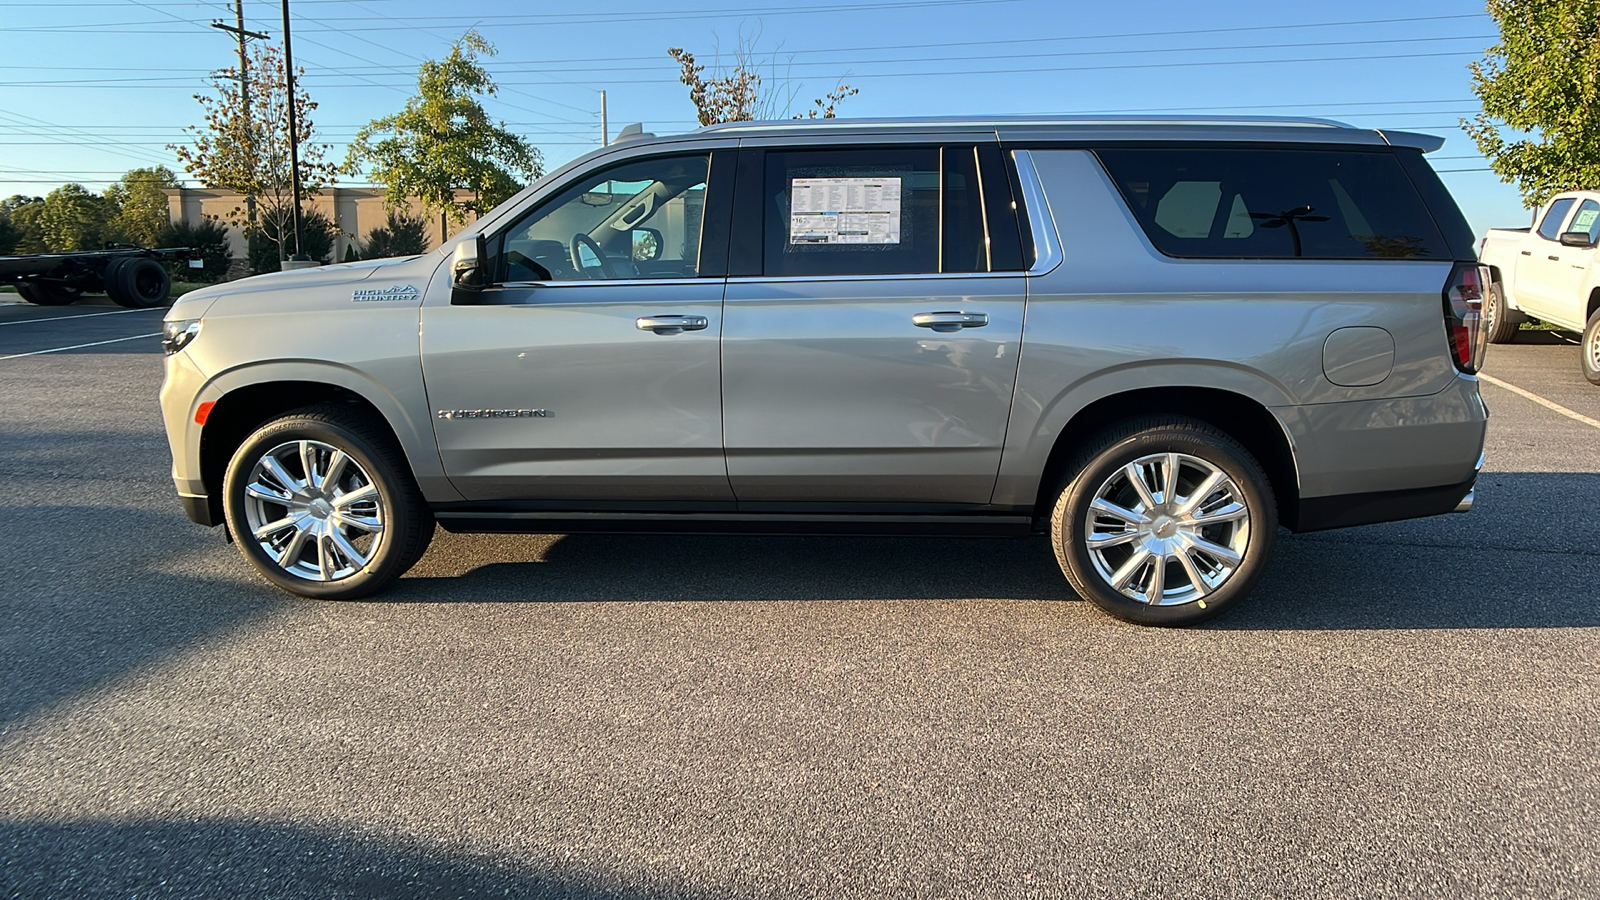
1322,513
1378,461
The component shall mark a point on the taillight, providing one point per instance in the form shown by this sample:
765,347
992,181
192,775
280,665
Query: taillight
1463,315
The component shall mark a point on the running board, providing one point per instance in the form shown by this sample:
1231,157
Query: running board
540,522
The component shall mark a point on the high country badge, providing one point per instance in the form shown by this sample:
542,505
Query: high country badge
409,293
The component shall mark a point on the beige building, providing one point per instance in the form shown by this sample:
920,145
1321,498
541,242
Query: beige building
354,211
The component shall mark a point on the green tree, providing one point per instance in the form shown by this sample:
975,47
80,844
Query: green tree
246,148
22,212
73,218
443,142
141,209
1543,81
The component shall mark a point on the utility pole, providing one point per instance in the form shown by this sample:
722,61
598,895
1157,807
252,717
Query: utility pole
294,137
605,131
244,37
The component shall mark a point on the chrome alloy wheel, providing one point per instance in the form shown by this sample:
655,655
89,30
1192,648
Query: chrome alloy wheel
1167,529
1593,350
314,510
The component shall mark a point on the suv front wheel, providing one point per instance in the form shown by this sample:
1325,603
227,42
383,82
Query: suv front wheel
1165,521
321,502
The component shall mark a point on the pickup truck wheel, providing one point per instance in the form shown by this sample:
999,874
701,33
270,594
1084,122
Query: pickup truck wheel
137,283
47,294
1499,321
1166,521
1591,349
322,503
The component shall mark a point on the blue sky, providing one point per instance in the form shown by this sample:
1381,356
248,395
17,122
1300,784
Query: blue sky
90,88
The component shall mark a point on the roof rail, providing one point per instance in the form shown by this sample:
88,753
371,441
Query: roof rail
1023,121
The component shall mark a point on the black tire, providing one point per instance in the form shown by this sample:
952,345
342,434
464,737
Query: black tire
1589,349
407,523
1500,322
1200,449
47,294
137,283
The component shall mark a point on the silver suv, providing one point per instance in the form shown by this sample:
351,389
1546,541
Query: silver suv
1156,340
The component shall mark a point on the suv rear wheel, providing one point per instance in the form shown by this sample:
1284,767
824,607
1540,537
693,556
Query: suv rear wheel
1166,521
321,502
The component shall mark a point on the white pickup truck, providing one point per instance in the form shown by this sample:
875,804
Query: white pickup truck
1546,272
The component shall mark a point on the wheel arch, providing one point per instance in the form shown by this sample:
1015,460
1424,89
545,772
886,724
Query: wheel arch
1244,419
1594,304
248,397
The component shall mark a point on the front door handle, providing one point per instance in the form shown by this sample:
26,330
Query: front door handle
945,322
672,324
1553,258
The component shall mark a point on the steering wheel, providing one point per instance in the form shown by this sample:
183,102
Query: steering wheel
580,241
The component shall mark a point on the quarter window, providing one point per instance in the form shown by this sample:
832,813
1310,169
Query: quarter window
1259,203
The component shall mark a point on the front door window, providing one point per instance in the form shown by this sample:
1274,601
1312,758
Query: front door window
637,220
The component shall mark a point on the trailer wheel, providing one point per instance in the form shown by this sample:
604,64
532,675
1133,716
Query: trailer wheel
47,294
137,283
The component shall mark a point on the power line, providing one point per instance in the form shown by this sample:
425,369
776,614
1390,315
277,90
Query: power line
669,68
551,19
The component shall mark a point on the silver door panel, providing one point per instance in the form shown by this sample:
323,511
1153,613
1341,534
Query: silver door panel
628,414
833,393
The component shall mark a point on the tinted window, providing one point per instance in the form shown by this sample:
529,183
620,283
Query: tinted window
1250,203
901,211
642,216
1550,228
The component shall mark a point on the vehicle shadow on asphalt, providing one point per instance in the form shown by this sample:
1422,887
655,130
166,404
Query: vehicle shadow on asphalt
1495,567
1526,556
236,858
606,567
81,611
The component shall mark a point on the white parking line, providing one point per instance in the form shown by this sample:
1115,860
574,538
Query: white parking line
114,312
1547,404
81,346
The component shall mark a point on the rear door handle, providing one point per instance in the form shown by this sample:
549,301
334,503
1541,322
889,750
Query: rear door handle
1527,253
946,322
1553,258
672,324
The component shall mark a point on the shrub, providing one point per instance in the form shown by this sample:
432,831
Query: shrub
402,235
210,237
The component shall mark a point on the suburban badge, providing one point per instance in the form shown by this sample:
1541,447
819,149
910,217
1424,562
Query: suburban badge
494,414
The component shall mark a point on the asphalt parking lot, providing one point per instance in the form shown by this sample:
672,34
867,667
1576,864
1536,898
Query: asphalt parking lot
1402,710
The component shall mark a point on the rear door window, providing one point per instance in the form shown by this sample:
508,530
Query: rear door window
1249,203
889,211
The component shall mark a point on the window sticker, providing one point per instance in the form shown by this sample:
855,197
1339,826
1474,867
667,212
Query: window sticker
844,211
1584,219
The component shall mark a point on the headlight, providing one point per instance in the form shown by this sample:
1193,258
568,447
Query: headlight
177,334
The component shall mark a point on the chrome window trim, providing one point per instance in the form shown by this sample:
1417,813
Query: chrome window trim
912,276
617,282
1046,242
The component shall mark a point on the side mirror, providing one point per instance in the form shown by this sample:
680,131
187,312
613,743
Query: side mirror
647,244
1576,239
468,271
